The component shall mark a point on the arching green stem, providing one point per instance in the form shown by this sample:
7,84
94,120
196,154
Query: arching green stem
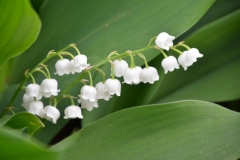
48,73
70,97
73,46
112,69
102,73
151,40
67,53
132,64
184,45
39,70
144,58
54,101
33,80
176,50
90,78
163,53
60,56
114,53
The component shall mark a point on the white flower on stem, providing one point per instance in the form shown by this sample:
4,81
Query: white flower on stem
62,67
26,101
72,67
149,75
89,93
87,104
80,63
183,61
101,93
164,40
35,107
120,67
73,112
49,87
51,113
169,64
131,75
112,86
187,58
193,54
34,90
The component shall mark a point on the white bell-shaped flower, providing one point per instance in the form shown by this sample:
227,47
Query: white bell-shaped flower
131,75
72,112
101,93
35,107
51,113
193,54
87,104
112,86
164,40
80,63
49,87
149,75
169,64
183,61
120,67
62,67
89,93
26,101
72,67
34,90
187,58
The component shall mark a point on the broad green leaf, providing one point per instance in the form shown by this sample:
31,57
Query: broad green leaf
19,27
218,10
25,119
100,27
179,130
13,146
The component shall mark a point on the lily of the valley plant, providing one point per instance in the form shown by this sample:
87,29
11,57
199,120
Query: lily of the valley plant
90,93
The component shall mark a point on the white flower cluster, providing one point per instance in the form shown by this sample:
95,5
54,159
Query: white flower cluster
89,95
48,88
186,59
33,95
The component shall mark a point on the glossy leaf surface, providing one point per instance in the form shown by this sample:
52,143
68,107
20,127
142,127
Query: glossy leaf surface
178,130
19,27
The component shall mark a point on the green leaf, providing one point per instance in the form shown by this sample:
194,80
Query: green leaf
14,146
19,27
24,119
179,130
100,27
218,10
